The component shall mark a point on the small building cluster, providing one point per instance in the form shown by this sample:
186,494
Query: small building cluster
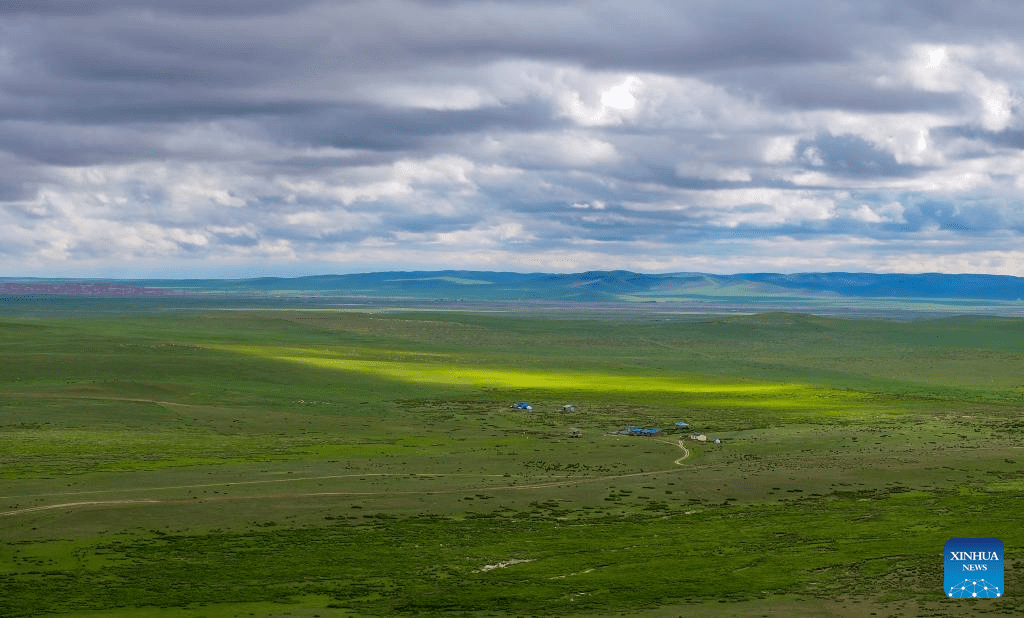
699,437
629,430
524,405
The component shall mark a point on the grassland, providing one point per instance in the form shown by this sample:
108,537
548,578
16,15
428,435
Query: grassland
331,463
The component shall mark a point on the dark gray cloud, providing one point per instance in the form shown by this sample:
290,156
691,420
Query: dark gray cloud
399,128
839,86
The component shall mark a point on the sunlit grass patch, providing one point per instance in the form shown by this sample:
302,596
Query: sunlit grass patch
714,392
462,375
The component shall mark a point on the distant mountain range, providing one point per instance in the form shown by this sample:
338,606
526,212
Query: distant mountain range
594,286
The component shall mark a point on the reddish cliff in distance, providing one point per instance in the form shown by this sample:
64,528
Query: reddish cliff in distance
85,289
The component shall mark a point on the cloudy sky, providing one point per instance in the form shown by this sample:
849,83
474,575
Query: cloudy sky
239,138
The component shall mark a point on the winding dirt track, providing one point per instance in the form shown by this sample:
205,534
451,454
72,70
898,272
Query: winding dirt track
149,501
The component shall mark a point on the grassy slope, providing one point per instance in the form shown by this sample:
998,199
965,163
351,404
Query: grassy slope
290,463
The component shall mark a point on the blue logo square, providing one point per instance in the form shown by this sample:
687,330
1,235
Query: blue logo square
973,569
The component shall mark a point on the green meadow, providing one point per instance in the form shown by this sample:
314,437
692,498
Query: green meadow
368,463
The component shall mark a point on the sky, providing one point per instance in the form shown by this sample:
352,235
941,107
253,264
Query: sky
243,138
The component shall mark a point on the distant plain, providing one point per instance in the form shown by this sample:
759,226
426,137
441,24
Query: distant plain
165,459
